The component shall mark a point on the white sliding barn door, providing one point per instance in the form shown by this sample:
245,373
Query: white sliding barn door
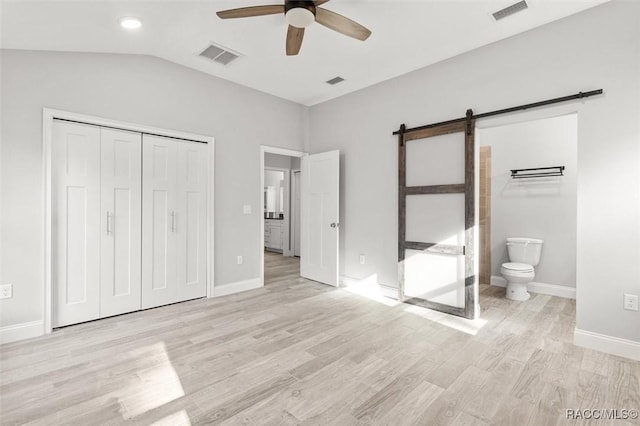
159,238
75,222
191,220
120,216
320,193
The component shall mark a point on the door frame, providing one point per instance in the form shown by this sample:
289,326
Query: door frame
271,150
286,249
292,224
48,115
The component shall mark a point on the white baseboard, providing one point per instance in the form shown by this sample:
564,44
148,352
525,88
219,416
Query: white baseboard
608,344
236,287
348,281
385,290
26,330
388,291
540,288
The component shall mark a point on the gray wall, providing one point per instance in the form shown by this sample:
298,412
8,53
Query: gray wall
276,160
135,89
538,208
599,48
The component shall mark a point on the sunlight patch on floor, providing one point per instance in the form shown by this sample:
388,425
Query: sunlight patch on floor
369,288
461,324
180,418
159,384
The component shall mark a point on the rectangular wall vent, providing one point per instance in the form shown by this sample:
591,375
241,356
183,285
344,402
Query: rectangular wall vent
335,80
219,54
510,10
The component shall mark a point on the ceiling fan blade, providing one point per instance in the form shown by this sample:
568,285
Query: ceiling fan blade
319,2
294,40
247,12
341,24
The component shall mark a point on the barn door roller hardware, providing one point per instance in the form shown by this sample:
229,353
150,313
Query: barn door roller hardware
537,172
579,95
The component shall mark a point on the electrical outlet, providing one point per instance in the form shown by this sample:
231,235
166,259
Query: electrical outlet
362,259
631,302
6,291
239,260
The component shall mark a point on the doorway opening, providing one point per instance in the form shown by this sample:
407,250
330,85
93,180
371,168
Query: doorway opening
280,237
541,207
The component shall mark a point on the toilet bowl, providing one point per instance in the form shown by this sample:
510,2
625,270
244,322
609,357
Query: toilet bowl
524,254
518,275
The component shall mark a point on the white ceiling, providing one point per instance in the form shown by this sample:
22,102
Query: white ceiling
407,35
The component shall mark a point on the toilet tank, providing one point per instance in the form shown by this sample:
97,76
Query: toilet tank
524,250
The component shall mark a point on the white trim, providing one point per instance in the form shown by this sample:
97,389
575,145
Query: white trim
540,288
272,150
385,290
210,220
238,287
26,330
388,291
124,125
292,203
608,344
48,115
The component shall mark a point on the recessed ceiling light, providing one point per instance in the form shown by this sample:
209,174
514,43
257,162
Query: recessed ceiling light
130,23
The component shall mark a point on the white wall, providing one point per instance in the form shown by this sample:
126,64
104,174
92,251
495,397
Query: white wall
541,207
135,89
599,48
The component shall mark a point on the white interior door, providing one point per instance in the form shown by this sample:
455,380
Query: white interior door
121,181
75,222
319,193
191,220
159,237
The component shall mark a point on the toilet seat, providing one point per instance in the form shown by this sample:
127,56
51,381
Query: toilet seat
517,267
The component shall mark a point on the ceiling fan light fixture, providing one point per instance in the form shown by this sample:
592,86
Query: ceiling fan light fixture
300,17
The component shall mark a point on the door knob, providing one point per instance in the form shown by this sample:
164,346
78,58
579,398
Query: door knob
335,225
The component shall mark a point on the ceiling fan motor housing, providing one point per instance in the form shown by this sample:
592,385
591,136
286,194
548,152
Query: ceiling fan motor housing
299,13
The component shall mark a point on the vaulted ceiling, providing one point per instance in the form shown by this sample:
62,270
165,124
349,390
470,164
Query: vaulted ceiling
406,35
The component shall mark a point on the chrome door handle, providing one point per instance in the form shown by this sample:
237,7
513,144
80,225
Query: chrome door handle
109,230
335,225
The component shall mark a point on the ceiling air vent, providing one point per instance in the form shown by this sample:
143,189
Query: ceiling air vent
219,54
335,80
510,10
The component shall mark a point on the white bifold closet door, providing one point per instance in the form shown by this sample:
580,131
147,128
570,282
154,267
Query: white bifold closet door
174,223
75,202
121,212
96,200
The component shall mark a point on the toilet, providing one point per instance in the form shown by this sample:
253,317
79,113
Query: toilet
524,254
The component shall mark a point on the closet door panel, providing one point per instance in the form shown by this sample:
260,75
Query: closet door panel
192,220
159,216
75,223
120,284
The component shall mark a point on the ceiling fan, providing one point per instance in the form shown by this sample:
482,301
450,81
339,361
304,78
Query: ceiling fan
299,15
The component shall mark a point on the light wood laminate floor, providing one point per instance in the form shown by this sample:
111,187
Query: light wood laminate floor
299,352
